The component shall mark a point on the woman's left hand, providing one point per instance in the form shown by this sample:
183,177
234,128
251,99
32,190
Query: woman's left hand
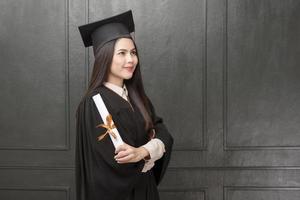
129,154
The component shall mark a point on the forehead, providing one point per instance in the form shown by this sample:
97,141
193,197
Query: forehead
124,43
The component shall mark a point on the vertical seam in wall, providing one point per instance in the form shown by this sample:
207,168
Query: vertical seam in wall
204,116
67,74
225,65
87,62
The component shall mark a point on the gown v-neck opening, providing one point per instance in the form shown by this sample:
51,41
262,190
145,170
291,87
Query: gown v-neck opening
132,106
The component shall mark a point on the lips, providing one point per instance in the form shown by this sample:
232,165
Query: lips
130,69
128,66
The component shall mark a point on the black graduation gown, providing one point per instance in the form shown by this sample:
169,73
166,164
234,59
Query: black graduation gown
98,175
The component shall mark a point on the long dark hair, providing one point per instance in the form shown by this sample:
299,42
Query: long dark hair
135,87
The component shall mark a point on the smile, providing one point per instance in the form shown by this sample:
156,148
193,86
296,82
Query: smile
129,68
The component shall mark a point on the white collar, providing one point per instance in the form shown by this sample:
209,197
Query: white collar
122,91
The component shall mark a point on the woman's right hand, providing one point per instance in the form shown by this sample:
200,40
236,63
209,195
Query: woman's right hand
129,154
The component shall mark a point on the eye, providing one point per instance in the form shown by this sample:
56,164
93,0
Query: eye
134,53
121,53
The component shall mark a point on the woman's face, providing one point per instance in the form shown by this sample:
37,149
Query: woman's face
124,61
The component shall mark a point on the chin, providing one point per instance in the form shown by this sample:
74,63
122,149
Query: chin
127,77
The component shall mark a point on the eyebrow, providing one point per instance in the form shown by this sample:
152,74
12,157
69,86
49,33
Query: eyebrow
126,49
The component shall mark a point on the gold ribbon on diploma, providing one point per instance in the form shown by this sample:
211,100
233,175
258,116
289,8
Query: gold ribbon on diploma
109,126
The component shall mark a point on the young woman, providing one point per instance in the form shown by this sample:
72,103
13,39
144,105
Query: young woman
133,170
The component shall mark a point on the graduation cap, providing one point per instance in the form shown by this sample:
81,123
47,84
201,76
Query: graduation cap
98,33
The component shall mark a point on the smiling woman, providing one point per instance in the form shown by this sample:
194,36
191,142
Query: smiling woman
132,170
124,61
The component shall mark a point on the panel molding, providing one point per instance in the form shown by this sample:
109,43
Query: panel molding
64,189
66,146
203,190
212,168
203,146
219,168
227,147
87,50
24,167
226,189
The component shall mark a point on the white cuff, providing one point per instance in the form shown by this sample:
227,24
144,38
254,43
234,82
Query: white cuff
148,165
156,149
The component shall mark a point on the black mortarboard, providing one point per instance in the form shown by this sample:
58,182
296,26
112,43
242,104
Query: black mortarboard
96,34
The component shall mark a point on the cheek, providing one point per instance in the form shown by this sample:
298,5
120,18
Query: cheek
117,63
136,61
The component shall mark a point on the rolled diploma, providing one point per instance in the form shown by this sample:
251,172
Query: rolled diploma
104,113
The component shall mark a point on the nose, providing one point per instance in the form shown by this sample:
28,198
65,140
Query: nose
129,58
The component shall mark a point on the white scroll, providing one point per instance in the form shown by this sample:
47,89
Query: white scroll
104,113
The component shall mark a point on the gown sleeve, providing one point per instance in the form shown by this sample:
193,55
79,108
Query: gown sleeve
98,175
162,133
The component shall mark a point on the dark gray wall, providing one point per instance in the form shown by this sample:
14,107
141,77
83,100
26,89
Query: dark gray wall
223,74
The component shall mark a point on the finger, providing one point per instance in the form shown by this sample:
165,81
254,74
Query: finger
122,147
125,159
121,154
126,152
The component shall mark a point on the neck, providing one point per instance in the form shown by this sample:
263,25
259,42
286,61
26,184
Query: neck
115,81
